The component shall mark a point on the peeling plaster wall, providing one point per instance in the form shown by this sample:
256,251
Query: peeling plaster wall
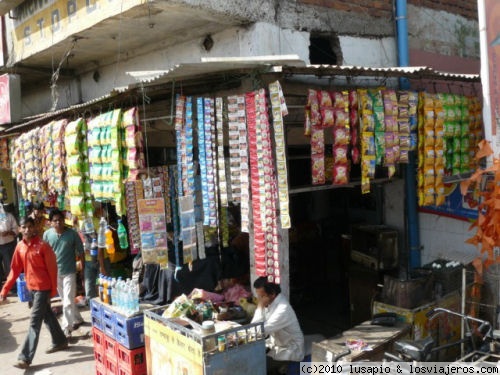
255,40
372,52
442,32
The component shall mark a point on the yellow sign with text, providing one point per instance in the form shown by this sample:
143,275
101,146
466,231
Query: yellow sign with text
39,24
161,335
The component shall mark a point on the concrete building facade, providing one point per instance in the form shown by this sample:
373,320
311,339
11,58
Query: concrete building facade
72,51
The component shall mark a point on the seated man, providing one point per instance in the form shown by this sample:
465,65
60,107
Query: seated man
286,341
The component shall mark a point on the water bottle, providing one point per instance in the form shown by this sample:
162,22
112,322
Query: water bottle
135,284
93,248
127,299
122,235
101,235
88,226
119,294
112,292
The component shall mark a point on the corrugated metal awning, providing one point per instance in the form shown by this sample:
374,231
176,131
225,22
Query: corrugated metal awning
289,65
412,72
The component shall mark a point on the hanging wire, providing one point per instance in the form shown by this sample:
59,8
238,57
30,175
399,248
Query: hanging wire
55,75
145,99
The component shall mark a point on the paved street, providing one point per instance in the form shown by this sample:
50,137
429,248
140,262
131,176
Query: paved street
77,359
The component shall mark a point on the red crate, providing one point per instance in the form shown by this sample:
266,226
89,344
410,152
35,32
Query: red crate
98,337
99,355
124,371
132,360
100,369
111,366
110,347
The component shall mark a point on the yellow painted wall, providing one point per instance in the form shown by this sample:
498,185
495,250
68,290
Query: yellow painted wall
40,24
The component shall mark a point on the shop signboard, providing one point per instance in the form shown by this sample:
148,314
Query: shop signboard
169,352
10,98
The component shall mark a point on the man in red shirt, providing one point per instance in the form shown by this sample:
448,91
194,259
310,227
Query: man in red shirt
38,261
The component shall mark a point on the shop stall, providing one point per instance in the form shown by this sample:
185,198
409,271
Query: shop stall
179,345
288,158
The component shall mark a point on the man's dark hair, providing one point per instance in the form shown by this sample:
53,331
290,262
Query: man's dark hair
39,206
55,212
269,288
25,220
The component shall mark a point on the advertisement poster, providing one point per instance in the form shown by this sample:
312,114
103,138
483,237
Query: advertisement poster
456,205
153,228
489,28
169,352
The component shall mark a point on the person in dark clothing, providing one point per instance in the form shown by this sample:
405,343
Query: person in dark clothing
38,261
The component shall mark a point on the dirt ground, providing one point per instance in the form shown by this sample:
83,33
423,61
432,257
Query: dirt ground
14,321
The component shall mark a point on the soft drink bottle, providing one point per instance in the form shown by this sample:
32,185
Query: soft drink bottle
110,243
93,248
122,235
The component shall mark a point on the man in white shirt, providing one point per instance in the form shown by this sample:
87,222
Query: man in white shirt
286,341
8,240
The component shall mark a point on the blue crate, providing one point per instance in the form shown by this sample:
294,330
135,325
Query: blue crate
96,314
129,332
22,290
108,321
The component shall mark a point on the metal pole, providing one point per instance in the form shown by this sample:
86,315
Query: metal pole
462,329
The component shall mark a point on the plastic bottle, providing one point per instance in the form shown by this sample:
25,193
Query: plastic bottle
122,235
135,295
111,291
101,287
119,294
110,243
105,298
88,225
127,298
101,234
93,248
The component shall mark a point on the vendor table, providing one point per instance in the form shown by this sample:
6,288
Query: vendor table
173,348
379,338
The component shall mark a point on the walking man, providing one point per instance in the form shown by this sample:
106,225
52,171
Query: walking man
38,261
67,246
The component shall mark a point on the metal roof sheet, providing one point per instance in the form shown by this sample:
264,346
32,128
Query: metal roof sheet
288,64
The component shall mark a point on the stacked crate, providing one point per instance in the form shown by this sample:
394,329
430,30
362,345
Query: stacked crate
118,341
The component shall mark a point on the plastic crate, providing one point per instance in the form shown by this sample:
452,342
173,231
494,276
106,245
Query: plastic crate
22,290
111,366
108,321
448,275
132,360
97,337
129,332
124,371
99,356
110,348
96,314
100,369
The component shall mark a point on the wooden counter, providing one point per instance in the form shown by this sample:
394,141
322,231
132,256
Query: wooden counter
378,337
